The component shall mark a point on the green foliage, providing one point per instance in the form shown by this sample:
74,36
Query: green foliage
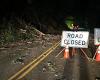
24,34
16,31
7,35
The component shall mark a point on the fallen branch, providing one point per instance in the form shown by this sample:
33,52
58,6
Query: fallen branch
39,32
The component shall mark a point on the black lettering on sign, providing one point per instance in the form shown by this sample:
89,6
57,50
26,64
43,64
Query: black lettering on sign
76,42
69,35
66,42
98,39
81,36
83,42
72,42
78,36
74,35
79,42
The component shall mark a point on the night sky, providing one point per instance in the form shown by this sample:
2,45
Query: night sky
81,7
57,8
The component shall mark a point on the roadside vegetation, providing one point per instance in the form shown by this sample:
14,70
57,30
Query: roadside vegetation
17,29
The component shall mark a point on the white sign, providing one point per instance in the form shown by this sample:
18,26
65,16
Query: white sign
97,36
75,39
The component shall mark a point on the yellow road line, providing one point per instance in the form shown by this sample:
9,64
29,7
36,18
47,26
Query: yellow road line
27,66
33,66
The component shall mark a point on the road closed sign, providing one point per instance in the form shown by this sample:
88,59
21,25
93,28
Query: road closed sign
97,36
77,39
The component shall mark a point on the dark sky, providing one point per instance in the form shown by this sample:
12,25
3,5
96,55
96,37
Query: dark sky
53,7
58,9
